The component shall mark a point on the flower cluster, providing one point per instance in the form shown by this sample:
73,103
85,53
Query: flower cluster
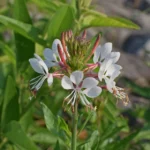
69,56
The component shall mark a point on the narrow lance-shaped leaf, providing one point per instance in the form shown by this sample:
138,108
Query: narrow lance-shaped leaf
24,29
48,5
10,110
92,20
25,47
63,20
50,119
17,136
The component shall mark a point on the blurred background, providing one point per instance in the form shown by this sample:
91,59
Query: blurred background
134,46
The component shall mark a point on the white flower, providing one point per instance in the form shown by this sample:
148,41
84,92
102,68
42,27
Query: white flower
80,87
104,52
109,69
40,67
52,57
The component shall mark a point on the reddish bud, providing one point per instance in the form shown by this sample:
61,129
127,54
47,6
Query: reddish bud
63,36
95,45
84,34
94,48
61,54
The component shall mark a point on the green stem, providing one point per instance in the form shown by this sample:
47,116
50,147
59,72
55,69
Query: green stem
74,129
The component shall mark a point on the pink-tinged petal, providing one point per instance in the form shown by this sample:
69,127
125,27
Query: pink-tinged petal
96,54
55,44
92,92
50,79
66,83
36,66
76,77
114,56
105,50
89,82
49,55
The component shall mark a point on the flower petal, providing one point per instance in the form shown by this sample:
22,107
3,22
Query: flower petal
41,62
76,77
49,55
105,50
104,66
36,66
50,79
115,56
89,82
97,54
50,64
113,68
110,84
92,92
66,83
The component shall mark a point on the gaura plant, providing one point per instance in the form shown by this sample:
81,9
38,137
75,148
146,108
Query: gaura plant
70,61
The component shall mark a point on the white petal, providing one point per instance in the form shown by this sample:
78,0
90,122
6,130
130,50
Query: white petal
49,55
113,68
89,82
42,63
76,77
115,56
103,68
115,75
50,64
110,85
92,92
105,50
38,57
66,83
96,54
36,66
50,79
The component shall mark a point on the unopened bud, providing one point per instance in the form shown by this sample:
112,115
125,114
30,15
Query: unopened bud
84,34
61,54
63,35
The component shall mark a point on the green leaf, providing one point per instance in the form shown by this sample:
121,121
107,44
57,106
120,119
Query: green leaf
63,20
57,147
142,91
124,142
24,29
63,126
49,5
10,110
17,136
8,51
144,133
50,119
25,47
92,20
